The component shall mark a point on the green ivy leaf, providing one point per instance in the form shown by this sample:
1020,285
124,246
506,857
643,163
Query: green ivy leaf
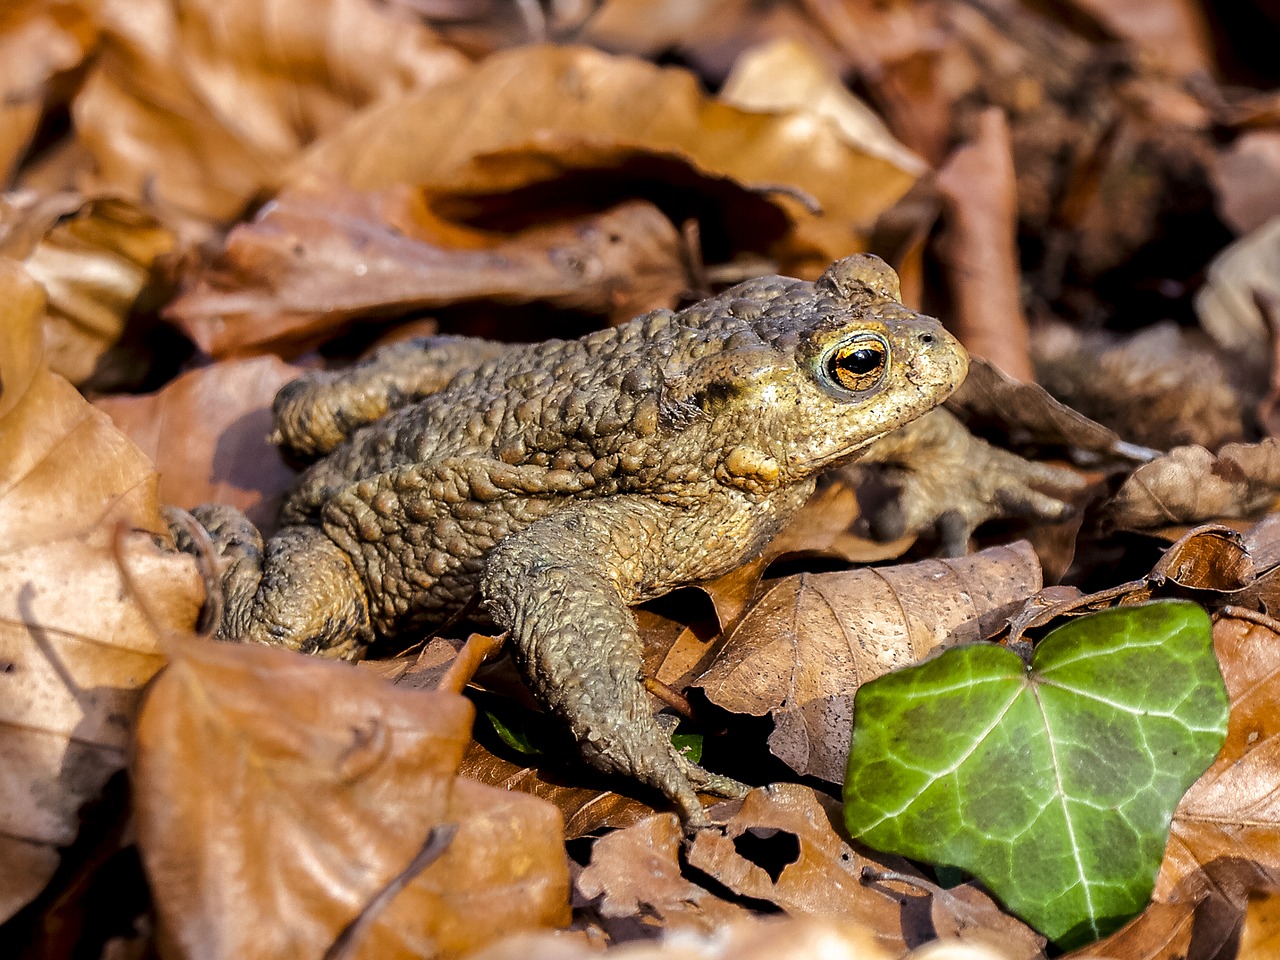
690,744
1053,784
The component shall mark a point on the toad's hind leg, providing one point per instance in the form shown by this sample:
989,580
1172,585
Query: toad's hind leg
319,410
556,588
298,590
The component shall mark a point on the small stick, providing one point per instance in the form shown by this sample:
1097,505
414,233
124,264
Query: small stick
676,701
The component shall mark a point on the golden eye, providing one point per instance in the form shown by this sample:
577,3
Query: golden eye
858,365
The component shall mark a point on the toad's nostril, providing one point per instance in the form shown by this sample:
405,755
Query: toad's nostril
926,338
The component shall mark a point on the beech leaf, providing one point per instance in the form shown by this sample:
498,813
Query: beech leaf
508,125
271,785
1053,783
801,651
76,645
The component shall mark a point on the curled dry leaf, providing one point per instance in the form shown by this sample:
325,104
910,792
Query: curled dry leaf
812,872
1026,413
93,258
635,873
1225,840
199,104
1162,387
312,262
980,202
803,649
508,125
207,433
788,74
40,40
1161,932
271,785
585,810
76,644
1192,485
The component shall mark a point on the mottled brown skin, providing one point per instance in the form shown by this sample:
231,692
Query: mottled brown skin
567,480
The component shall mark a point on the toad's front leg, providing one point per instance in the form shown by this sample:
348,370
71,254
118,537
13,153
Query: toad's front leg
561,587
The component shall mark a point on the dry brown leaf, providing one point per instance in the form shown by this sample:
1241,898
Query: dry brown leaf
1161,932
76,646
510,124
40,40
1260,936
812,872
311,262
270,785
773,938
93,257
1191,485
1026,413
1161,387
788,75
207,432
977,248
1231,816
585,810
199,104
635,873
1223,849
803,649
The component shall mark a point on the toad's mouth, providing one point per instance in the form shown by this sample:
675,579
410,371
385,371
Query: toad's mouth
816,464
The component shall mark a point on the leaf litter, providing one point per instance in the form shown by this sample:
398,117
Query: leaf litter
225,170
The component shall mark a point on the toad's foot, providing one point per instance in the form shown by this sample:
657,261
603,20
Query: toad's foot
299,591
948,480
560,588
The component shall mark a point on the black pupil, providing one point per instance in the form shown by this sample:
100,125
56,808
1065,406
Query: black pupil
865,360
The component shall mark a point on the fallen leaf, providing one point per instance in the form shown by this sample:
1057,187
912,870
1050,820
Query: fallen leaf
980,209
585,810
1191,485
1025,413
1052,781
797,938
40,41
1211,558
269,785
508,125
635,874
809,870
1260,936
1161,932
806,645
207,433
788,75
311,263
77,645
1231,817
199,104
93,256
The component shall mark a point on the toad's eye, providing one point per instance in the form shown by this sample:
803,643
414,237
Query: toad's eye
858,365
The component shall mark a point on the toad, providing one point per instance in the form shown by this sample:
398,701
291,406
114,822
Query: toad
564,481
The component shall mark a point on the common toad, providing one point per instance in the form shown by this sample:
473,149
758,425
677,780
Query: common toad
567,480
